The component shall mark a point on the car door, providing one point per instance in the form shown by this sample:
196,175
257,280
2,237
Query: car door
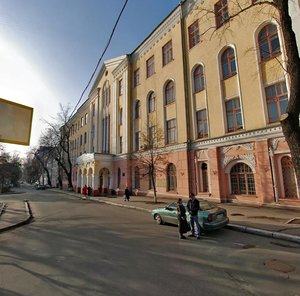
171,213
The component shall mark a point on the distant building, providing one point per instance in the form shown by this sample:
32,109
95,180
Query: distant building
217,97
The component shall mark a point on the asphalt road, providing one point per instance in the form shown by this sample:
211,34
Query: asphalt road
86,248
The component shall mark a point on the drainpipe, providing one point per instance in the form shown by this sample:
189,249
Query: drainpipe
186,94
275,188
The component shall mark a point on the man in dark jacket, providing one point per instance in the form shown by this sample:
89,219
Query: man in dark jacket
193,206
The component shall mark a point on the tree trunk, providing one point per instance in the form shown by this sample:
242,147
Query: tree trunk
154,189
290,122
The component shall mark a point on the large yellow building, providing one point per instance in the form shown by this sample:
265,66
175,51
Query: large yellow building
214,87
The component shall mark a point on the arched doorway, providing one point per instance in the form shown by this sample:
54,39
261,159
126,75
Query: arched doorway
104,180
289,179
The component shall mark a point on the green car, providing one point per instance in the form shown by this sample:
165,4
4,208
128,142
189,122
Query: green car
211,217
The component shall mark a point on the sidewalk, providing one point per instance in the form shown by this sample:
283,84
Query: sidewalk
275,222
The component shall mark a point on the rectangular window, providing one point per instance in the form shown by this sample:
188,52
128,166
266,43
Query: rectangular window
233,115
121,116
136,77
80,140
167,53
221,13
277,101
194,35
202,129
150,66
120,87
137,140
171,131
85,119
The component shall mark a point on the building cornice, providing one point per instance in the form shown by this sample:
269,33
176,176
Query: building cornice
255,135
158,33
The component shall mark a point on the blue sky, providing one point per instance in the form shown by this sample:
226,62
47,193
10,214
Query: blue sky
49,49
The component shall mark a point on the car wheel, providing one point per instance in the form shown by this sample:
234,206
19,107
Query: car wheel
158,219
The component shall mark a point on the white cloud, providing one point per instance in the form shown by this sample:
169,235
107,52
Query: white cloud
20,82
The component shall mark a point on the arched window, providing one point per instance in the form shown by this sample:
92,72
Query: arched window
228,63
169,93
198,79
268,42
204,178
138,109
171,178
151,102
242,179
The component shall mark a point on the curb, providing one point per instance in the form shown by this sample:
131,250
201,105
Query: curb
24,222
236,227
266,233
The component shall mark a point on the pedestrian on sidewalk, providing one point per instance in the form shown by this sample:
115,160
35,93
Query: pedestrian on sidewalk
126,194
84,190
183,226
193,207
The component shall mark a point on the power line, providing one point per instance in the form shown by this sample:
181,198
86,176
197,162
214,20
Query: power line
103,53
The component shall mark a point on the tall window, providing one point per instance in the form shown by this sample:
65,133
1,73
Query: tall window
233,115
138,109
120,87
136,77
119,177
202,130
136,177
171,178
106,134
120,144
106,95
277,100
121,116
85,137
150,66
198,79
228,63
221,13
86,116
152,137
93,109
137,140
194,35
167,53
242,179
151,102
268,41
171,131
169,93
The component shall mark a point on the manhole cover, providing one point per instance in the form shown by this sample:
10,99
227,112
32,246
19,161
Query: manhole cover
278,265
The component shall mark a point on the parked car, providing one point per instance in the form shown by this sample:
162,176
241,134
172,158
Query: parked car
40,187
211,217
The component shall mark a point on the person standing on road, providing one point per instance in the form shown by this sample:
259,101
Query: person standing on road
85,191
181,216
193,206
126,194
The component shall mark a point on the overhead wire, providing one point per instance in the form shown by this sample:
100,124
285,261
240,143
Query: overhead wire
100,59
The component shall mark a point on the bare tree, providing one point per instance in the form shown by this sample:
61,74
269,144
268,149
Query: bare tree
57,139
150,157
279,10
